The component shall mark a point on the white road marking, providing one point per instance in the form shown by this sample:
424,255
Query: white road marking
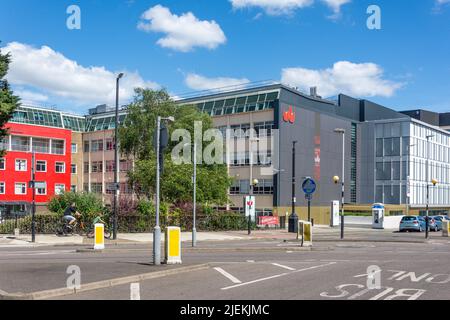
284,267
227,275
251,261
135,291
35,253
277,276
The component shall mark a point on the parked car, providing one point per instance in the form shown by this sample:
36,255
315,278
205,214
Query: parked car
412,223
439,220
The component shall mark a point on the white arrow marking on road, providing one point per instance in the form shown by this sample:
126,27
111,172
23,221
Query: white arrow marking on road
227,275
284,267
277,276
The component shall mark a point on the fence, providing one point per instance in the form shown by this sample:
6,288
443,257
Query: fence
49,224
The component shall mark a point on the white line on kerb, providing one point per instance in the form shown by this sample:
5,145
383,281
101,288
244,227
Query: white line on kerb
277,276
135,291
284,267
227,275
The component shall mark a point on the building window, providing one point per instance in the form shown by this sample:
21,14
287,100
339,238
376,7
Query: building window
264,129
86,187
73,169
2,164
74,148
125,165
21,165
2,188
60,189
353,163
109,144
86,146
264,186
97,167
41,145
58,147
96,145
73,188
96,188
41,189
86,167
60,167
110,165
20,143
41,166
125,188
20,188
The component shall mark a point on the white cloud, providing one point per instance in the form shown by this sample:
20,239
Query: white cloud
280,7
184,32
198,82
442,1
52,73
361,80
273,7
27,96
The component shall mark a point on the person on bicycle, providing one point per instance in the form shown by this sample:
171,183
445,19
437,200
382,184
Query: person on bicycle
69,214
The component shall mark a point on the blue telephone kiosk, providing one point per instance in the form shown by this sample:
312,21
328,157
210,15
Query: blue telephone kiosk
378,216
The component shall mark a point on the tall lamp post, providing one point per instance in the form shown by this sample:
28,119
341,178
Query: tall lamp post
194,196
342,131
293,218
116,160
428,185
253,183
157,229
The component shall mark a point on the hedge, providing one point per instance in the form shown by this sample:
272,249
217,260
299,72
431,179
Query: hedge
48,224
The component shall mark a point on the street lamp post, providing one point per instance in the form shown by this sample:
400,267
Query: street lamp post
116,160
157,229
293,218
194,209
342,131
428,185
33,204
253,183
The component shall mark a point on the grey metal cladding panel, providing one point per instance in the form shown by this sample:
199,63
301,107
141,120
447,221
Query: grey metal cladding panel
366,175
444,119
348,107
291,98
374,111
304,130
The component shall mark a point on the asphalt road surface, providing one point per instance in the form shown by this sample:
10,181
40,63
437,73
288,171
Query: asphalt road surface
334,270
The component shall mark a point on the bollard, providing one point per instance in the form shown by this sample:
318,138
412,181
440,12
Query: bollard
173,245
305,233
99,236
445,228
16,232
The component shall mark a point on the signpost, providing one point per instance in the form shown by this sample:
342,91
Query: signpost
250,206
309,187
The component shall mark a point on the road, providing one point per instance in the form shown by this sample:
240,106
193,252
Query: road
333,270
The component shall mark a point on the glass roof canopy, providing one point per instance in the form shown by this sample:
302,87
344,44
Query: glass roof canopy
217,106
239,104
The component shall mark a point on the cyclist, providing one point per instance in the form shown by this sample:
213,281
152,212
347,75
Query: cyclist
69,214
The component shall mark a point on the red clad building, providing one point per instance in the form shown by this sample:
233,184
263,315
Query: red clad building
52,149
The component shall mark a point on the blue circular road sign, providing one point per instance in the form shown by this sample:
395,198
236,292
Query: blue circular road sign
309,186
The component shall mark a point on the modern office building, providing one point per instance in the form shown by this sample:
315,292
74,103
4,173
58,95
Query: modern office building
386,152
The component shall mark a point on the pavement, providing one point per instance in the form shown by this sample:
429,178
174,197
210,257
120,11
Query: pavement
269,264
320,233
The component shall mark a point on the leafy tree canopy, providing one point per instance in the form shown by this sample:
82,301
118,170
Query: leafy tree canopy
136,138
8,101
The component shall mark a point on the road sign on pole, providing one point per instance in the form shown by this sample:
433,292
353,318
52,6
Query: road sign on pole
309,186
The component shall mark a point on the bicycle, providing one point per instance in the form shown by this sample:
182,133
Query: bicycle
68,229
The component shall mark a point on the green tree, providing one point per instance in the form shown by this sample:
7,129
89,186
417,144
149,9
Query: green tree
88,204
8,101
136,138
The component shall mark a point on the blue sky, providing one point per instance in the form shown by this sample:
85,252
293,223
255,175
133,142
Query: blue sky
404,65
